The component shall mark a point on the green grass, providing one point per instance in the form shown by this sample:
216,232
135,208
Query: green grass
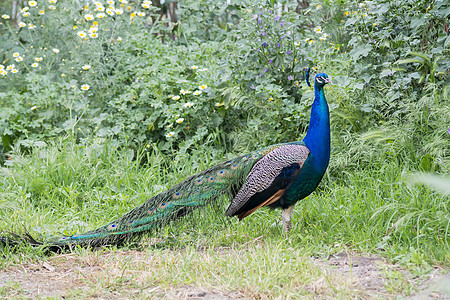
66,188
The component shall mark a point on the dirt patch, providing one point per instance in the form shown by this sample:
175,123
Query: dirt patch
125,274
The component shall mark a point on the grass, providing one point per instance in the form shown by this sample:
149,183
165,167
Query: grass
65,188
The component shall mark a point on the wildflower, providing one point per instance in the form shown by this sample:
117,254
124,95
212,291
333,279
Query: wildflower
16,54
22,24
34,107
100,15
86,7
63,75
35,65
42,12
3,72
10,67
38,59
188,104
51,7
110,12
318,6
374,24
203,86
95,23
347,13
31,26
311,41
183,92
86,67
119,11
296,83
318,30
89,17
219,104
110,2
290,77
288,52
176,97
145,5
180,120
194,67
14,71
355,12
6,17
170,134
55,50
32,3
93,35
93,29
202,70
119,39
2,67
141,14
81,34
270,99
132,15
128,9
26,14
100,8
52,1
85,87
196,93
75,27
25,9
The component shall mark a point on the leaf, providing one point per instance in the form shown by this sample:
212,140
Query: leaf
359,51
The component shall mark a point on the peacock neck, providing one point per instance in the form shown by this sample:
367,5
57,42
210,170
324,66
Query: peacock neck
317,138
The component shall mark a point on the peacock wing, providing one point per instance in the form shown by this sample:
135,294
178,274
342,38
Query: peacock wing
268,179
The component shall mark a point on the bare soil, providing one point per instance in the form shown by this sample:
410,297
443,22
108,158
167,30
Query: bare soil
94,276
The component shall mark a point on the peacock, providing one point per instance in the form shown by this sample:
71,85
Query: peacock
277,176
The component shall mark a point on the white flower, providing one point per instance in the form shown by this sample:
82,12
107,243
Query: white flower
119,39
180,120
19,59
189,104
170,134
34,107
55,50
318,30
203,86
93,35
119,11
32,3
14,71
86,67
22,24
194,67
141,14
51,7
100,15
6,17
35,65
16,54
38,59
176,97
89,17
81,34
85,87
10,67
196,93
52,1
25,9
31,26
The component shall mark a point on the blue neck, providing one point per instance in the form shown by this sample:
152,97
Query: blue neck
317,138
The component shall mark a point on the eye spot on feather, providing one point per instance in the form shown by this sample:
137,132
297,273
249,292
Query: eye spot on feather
112,226
130,222
162,205
198,181
221,173
64,238
151,210
175,195
255,156
234,166
211,179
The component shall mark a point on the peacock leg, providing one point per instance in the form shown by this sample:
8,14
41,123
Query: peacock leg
286,215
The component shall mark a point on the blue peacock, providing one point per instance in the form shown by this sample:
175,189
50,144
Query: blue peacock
277,176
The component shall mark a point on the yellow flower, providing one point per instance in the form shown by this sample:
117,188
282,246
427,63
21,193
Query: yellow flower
176,97
42,12
311,41
374,24
16,54
180,120
81,34
203,86
75,27
63,75
22,24
32,3
132,15
86,7
38,59
347,13
364,15
194,67
128,8
95,23
270,99
354,12
35,65
6,17
34,107
51,7
318,6
196,93
85,87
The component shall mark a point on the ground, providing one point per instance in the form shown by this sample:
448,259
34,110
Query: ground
130,274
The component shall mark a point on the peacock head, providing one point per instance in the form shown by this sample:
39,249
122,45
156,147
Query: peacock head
321,79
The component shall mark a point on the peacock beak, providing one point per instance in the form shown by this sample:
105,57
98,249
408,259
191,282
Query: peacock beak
328,80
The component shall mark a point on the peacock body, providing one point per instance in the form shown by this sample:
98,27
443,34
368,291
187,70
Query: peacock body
277,176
